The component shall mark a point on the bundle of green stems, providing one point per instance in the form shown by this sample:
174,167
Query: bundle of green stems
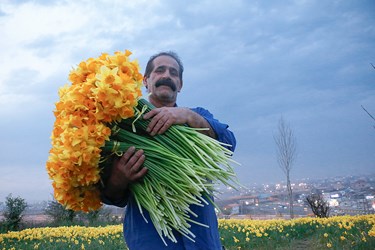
184,166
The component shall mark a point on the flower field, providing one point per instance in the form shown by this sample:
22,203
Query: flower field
73,237
342,232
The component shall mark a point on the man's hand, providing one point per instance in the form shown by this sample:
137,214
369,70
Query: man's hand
163,118
127,169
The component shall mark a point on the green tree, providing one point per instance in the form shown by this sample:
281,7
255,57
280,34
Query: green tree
58,213
14,208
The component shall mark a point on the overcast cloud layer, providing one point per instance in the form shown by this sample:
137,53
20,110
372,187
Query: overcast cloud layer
248,62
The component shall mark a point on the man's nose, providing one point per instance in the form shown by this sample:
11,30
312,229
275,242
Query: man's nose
166,74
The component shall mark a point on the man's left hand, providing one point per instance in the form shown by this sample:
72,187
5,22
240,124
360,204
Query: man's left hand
163,118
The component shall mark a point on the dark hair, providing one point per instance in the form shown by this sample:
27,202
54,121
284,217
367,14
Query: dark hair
150,63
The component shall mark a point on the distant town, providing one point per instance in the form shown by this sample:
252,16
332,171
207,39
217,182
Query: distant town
350,195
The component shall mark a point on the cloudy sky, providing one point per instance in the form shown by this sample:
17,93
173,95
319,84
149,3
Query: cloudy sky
248,62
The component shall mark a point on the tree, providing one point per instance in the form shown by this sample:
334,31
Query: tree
368,113
14,208
364,107
286,154
59,213
318,205
63,216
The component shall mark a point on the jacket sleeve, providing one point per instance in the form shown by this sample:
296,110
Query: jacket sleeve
223,134
118,203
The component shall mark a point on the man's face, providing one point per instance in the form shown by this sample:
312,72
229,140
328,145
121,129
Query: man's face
164,82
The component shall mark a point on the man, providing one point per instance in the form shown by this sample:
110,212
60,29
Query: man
163,81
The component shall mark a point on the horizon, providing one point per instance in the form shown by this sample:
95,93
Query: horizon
246,185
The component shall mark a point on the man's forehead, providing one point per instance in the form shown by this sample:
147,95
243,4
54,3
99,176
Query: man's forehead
166,61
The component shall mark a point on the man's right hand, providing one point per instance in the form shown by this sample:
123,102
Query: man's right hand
127,169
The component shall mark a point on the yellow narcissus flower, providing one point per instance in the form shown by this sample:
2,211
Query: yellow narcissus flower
108,76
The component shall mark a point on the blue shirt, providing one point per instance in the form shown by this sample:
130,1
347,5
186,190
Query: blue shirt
140,235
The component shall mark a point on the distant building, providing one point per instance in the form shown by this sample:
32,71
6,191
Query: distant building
360,184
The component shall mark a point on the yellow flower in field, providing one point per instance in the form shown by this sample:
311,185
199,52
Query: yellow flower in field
325,235
247,239
342,238
364,239
235,239
82,247
372,232
329,245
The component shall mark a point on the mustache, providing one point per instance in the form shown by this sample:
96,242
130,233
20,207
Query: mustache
166,82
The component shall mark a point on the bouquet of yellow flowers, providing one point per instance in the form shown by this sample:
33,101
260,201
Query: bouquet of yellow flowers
97,118
103,90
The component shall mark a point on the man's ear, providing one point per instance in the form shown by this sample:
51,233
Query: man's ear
145,82
180,87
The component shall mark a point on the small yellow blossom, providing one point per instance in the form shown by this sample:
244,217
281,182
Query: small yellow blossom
235,239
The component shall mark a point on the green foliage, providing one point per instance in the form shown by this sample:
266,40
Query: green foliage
14,207
65,217
99,217
59,214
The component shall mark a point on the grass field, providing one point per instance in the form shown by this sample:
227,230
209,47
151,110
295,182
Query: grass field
342,232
